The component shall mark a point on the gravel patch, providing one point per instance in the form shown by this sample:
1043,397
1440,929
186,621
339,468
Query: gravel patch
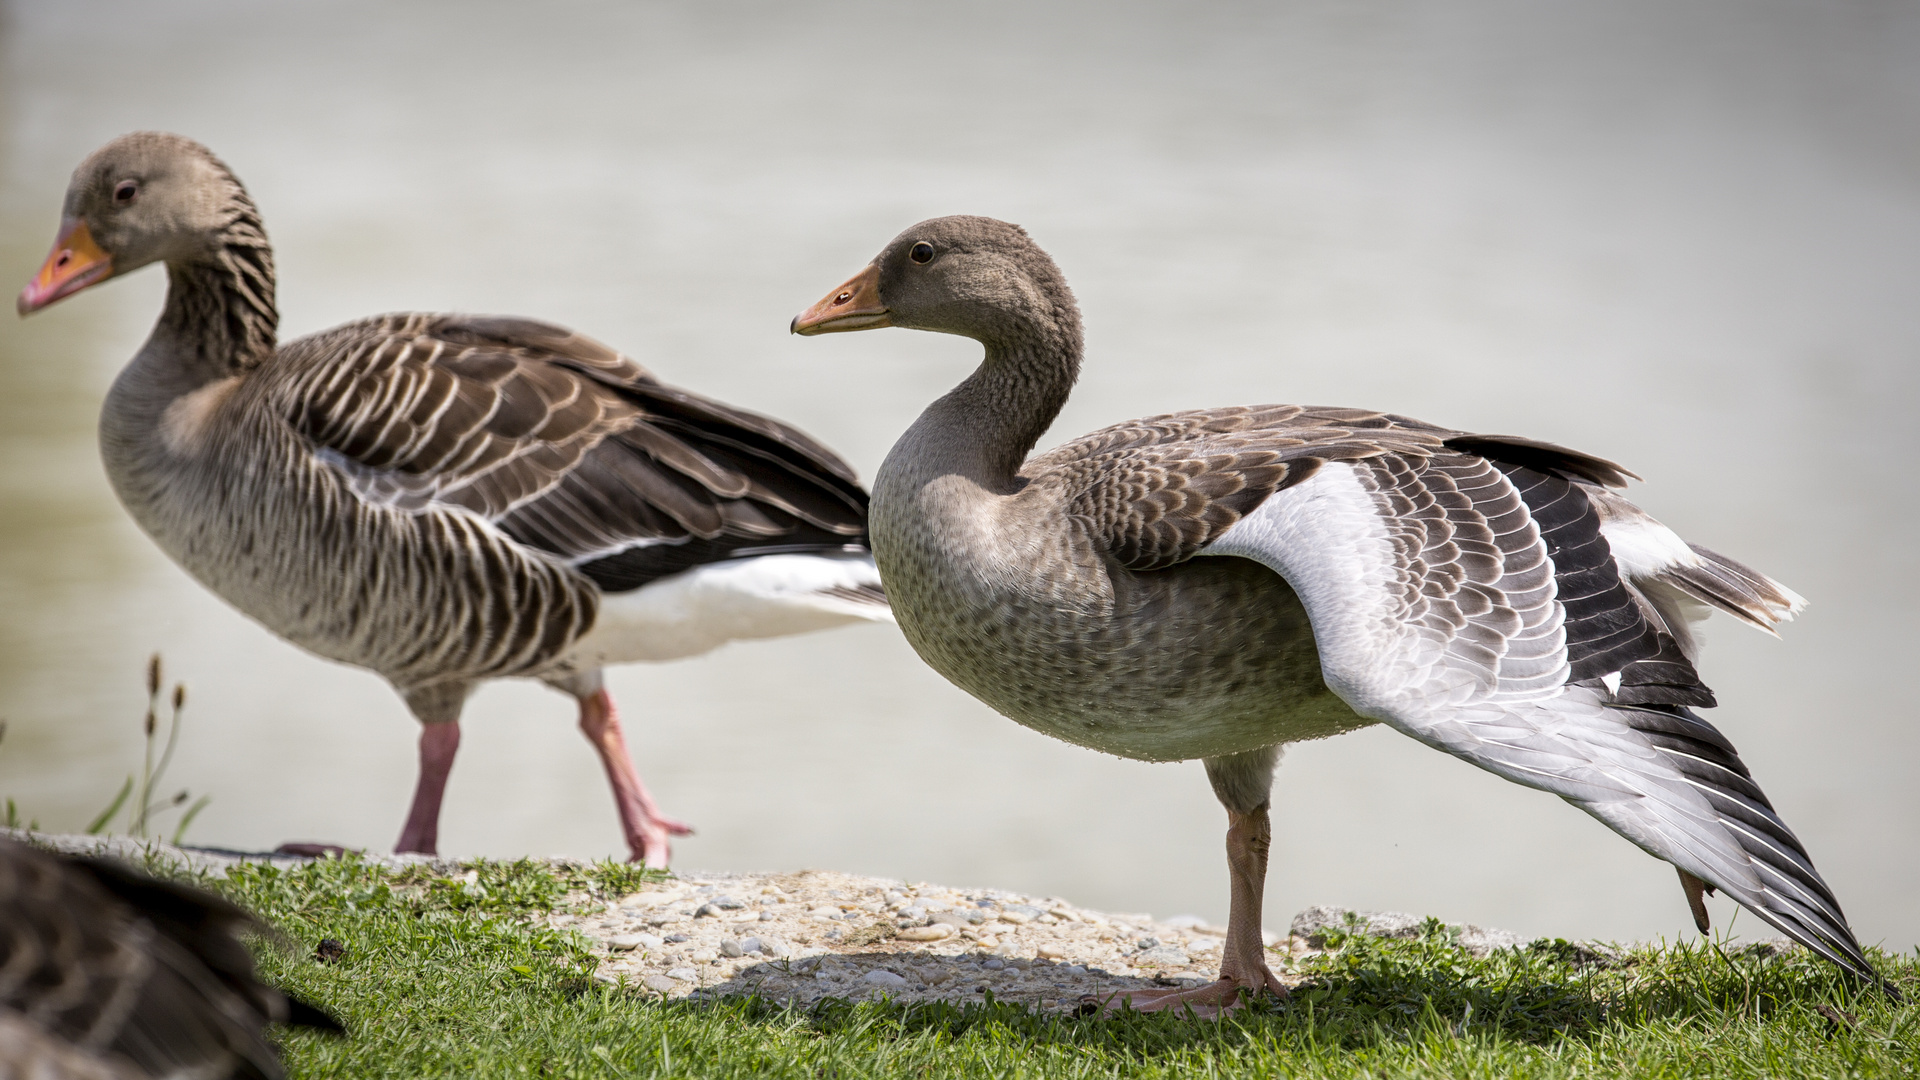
801,937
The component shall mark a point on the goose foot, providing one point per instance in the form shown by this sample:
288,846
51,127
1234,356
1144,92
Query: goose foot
1217,998
648,831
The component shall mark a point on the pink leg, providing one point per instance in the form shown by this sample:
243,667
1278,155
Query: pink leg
646,827
1243,970
438,742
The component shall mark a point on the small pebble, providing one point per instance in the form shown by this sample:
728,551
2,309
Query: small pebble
727,903
935,932
767,916
1050,952
707,911
731,948
658,983
683,974
675,939
994,963
883,977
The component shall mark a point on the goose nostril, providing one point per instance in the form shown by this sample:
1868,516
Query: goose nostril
843,298
65,258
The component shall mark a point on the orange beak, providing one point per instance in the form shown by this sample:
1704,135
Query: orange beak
853,306
76,262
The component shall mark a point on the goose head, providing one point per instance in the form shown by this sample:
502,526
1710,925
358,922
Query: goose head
142,198
977,277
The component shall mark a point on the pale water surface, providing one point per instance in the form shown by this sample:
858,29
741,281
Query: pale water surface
1686,237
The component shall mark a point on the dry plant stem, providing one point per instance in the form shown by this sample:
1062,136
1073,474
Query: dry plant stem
647,829
438,743
138,818
1243,966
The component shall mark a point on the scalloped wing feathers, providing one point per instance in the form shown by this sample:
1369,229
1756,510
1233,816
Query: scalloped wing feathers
564,444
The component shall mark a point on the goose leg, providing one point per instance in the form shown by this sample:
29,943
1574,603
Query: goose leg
1242,782
438,743
646,828
437,707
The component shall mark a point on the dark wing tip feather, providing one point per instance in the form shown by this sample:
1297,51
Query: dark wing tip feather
1544,456
1794,898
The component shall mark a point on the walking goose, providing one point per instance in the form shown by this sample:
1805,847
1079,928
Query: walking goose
107,973
443,499
1221,582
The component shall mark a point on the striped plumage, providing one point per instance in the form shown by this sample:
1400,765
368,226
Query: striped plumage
1218,583
444,499
109,973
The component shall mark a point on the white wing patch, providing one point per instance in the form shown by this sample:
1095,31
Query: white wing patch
1429,608
699,610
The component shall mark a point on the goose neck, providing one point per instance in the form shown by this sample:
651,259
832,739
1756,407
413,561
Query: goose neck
985,427
220,319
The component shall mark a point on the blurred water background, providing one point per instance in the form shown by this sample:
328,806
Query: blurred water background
1682,236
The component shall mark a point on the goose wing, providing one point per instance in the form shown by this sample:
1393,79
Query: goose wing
1463,589
564,444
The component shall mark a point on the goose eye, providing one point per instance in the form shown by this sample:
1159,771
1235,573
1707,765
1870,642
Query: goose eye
921,253
124,192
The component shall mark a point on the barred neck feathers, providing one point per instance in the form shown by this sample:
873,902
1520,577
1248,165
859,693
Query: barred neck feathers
1009,402
220,317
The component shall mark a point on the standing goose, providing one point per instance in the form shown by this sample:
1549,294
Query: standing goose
443,499
1218,583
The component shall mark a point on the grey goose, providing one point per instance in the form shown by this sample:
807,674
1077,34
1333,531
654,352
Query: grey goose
108,973
443,499
1219,583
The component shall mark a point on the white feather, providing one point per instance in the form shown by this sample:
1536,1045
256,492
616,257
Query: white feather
701,609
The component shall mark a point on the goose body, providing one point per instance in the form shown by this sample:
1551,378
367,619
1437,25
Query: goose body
443,499
1219,583
368,495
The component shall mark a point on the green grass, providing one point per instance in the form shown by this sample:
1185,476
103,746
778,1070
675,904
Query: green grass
445,979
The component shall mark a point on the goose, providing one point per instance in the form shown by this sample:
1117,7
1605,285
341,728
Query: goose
443,499
108,973
1219,583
